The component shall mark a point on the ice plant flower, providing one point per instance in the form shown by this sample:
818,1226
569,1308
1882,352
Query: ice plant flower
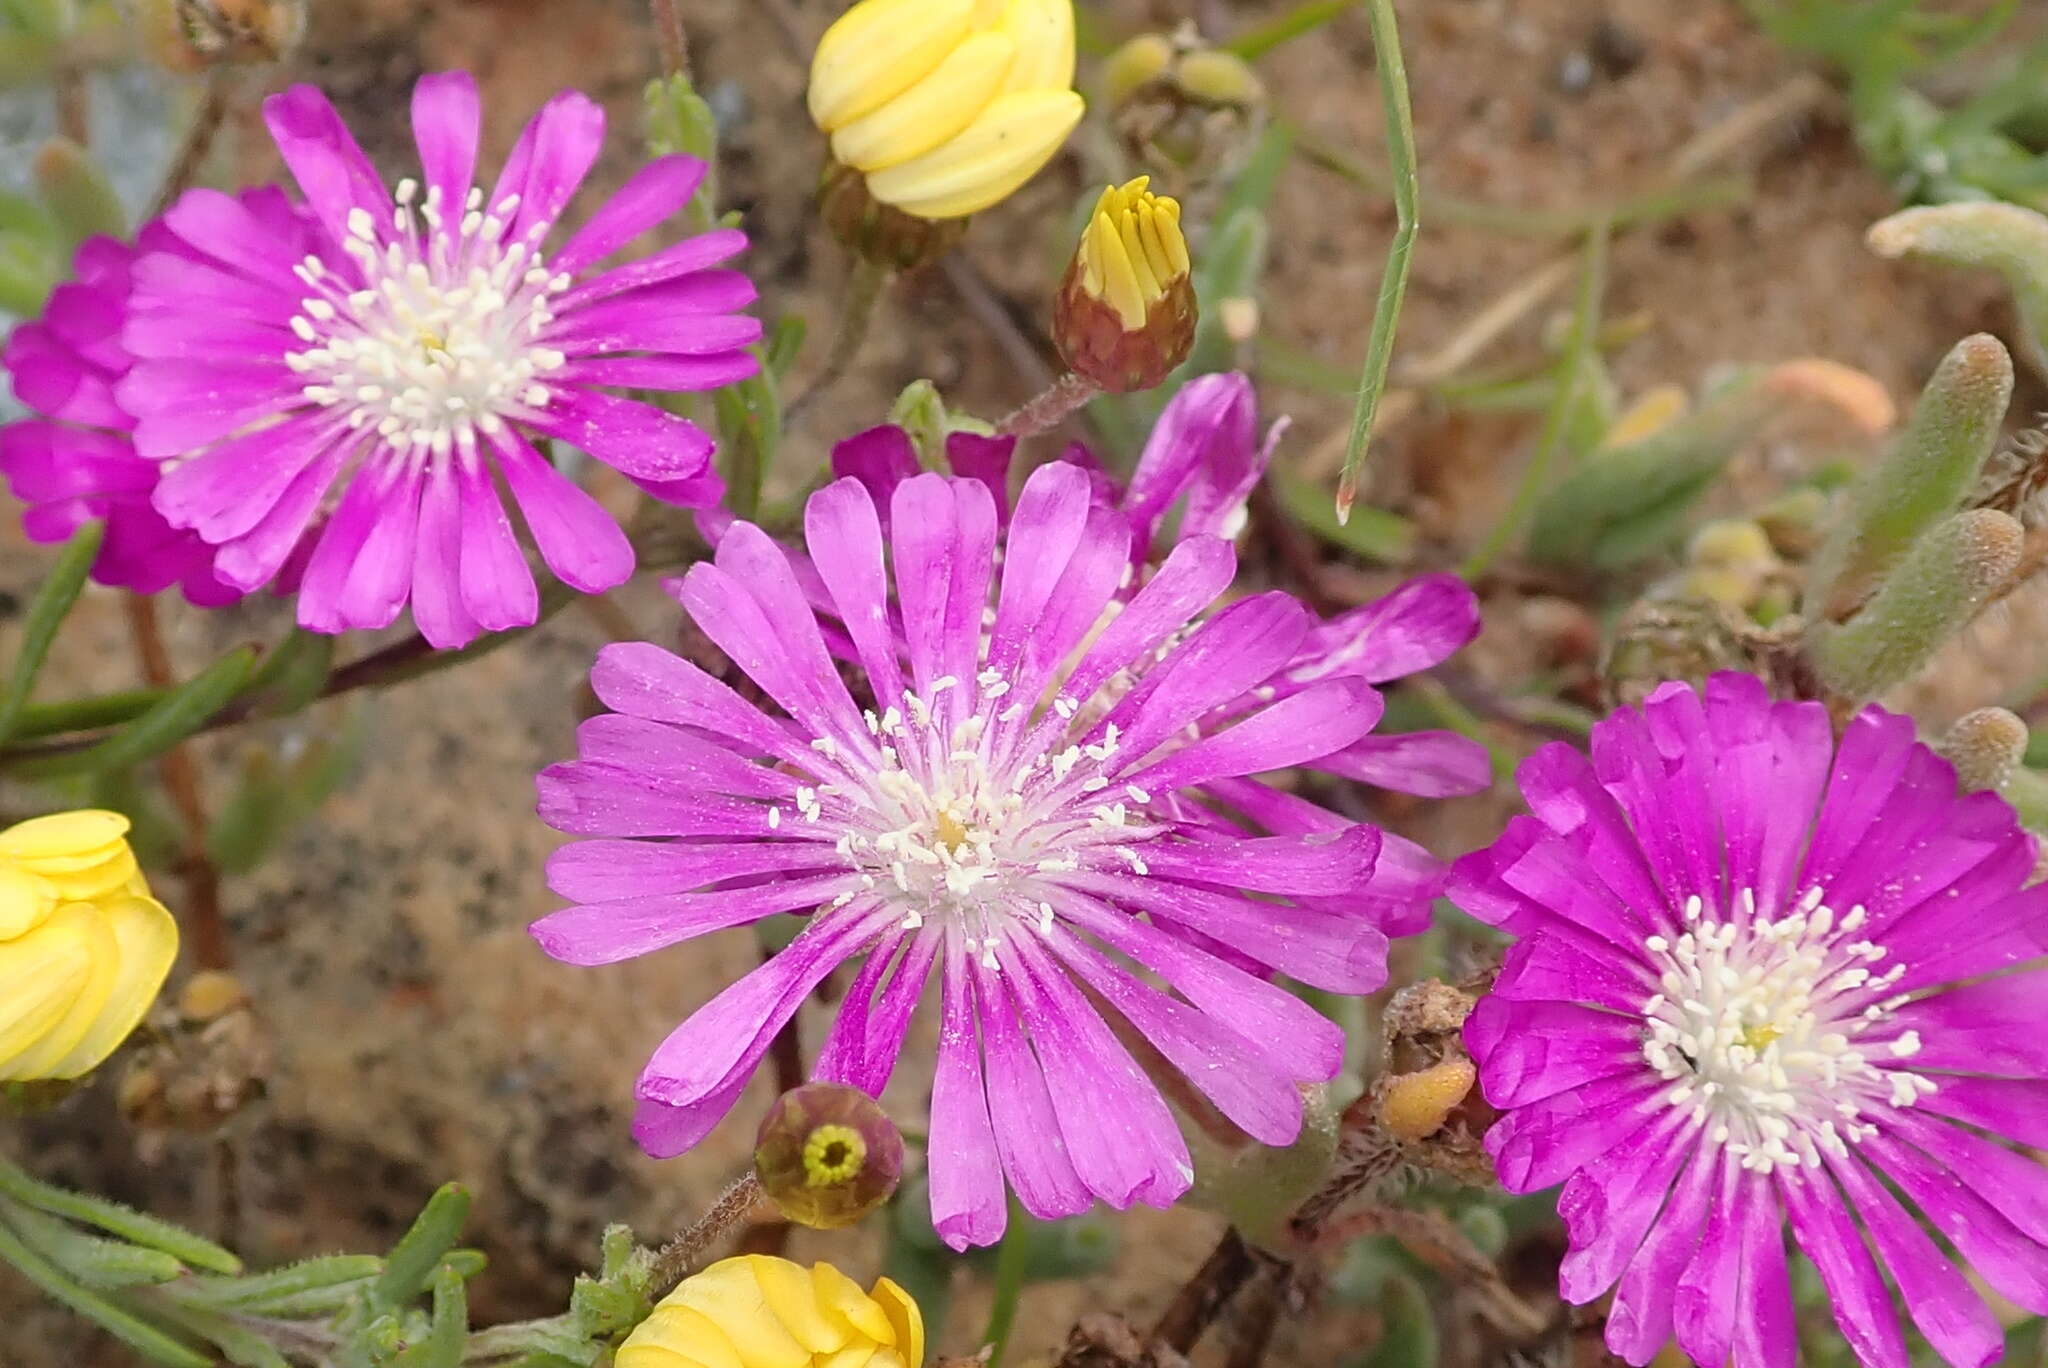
1764,979
74,460
945,107
1040,779
756,1311
83,947
348,391
1125,313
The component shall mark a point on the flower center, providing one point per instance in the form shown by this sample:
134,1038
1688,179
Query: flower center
832,1154
443,337
1774,1032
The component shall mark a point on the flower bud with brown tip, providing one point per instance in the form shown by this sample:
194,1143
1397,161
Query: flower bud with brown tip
827,1155
1125,315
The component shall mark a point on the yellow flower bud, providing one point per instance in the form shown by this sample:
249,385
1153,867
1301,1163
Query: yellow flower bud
1135,65
946,106
1125,315
755,1311
83,947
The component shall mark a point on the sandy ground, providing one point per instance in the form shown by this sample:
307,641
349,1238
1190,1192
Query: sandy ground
420,1034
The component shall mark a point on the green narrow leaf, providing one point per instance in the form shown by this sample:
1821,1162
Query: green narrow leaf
785,341
1260,39
118,1220
242,1346
79,196
173,718
449,1329
92,1260
1386,313
46,614
293,672
419,1253
267,1291
130,1329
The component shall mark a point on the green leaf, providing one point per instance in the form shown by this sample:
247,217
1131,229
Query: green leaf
242,1346
293,673
118,1220
80,198
449,1330
173,718
1373,533
413,1263
1307,17
46,614
146,1339
1922,478
678,120
1408,1333
329,1282
750,432
92,1260
785,341
1935,592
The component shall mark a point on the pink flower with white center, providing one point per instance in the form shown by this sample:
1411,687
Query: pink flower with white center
359,394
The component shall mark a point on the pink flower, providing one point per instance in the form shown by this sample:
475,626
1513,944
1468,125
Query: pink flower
349,389
1760,980
75,462
1046,773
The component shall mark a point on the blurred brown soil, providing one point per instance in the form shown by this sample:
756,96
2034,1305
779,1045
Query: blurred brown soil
421,1035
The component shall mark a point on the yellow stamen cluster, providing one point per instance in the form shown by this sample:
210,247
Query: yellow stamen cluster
833,1154
1133,252
946,106
760,1312
83,947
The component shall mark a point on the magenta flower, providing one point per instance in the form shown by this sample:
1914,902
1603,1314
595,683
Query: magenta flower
1040,781
351,391
1759,979
74,461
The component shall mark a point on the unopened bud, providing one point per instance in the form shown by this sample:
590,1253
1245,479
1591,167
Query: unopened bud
1125,316
827,1155
1219,78
1135,65
1986,747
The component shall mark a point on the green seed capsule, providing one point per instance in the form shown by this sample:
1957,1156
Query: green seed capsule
827,1155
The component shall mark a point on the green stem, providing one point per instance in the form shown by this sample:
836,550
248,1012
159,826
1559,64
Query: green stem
52,605
1379,346
863,293
1579,352
1013,1259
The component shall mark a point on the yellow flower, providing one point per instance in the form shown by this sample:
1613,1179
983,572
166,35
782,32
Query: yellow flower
760,1312
1125,315
946,106
83,947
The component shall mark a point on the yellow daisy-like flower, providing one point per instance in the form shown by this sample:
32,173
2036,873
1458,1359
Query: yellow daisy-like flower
83,947
760,1312
946,106
1125,315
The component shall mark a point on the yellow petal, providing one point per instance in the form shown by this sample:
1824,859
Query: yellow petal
83,854
40,976
677,1337
91,927
146,937
842,1299
25,901
933,110
729,1294
792,1297
1015,136
902,1312
876,51
1043,31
